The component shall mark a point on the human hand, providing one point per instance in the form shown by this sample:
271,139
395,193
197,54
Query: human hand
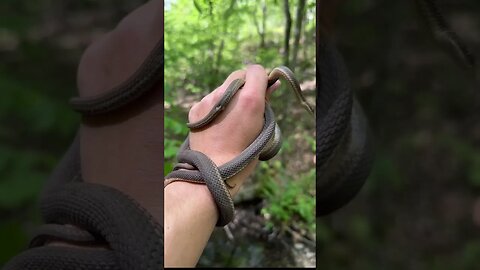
236,127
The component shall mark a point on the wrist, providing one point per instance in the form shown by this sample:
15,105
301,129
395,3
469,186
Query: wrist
187,204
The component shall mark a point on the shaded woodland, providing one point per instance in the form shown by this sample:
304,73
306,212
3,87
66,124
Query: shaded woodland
420,207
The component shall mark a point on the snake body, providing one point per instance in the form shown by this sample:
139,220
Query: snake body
344,146
443,34
118,232
267,144
103,214
131,89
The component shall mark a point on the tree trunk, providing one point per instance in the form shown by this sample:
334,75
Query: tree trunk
288,26
264,24
308,37
219,58
218,62
298,31
261,28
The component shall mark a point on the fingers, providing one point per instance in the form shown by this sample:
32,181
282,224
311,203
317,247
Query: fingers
251,99
200,109
252,96
256,82
273,88
234,75
239,74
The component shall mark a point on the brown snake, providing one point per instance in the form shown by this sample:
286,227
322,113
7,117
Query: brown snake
195,167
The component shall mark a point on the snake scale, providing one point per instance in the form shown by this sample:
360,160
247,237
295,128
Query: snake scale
108,218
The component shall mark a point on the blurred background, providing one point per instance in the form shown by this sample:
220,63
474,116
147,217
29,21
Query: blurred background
420,207
204,42
40,46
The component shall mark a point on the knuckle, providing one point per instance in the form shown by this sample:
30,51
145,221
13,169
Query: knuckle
193,112
251,103
209,100
200,108
237,73
257,67
234,75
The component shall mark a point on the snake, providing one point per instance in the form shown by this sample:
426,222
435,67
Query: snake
195,167
444,35
344,141
345,144
119,233
126,236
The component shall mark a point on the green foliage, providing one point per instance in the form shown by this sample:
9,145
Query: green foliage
385,172
467,154
36,123
40,114
204,43
289,201
12,233
171,144
175,130
471,253
22,177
